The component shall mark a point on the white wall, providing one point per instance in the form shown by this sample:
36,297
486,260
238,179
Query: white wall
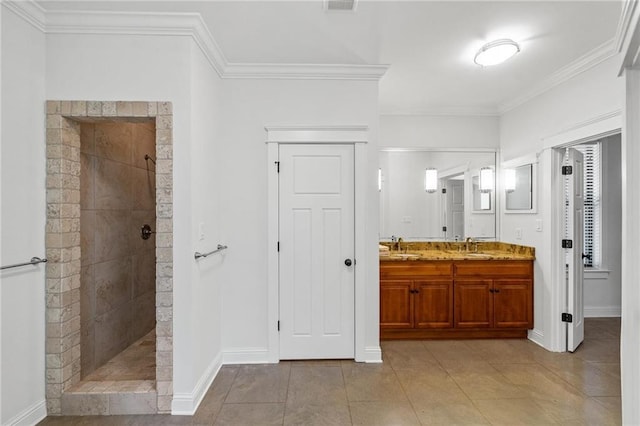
602,290
433,131
23,220
250,105
164,68
525,131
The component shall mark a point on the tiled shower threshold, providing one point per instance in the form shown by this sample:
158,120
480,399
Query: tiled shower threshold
124,385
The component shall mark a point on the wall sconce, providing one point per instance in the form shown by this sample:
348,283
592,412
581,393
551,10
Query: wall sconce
510,180
379,180
431,180
486,179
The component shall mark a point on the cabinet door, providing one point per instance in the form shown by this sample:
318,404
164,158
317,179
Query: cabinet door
512,303
396,307
433,301
473,303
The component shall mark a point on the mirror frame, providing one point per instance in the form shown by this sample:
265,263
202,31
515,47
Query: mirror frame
515,163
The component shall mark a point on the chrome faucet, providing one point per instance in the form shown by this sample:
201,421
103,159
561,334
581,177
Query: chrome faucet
469,241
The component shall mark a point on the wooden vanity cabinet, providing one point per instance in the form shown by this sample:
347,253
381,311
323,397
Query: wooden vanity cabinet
456,299
420,298
493,294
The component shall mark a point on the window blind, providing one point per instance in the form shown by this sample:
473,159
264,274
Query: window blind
592,203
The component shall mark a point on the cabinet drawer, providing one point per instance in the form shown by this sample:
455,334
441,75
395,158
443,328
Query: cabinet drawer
491,269
414,269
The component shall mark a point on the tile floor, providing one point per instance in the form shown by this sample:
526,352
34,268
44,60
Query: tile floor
137,362
491,382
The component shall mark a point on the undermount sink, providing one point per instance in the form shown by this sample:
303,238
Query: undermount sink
478,255
404,256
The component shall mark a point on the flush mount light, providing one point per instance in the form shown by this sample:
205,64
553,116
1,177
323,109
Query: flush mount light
431,180
496,52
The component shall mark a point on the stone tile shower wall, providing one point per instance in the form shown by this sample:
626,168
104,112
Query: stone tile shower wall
117,281
63,241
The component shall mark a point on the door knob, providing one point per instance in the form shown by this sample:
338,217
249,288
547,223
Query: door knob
348,262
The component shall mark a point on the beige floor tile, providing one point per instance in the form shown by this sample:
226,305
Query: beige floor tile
383,413
482,381
587,378
538,382
430,385
260,383
596,350
510,412
586,411
452,350
316,385
309,414
501,351
407,353
612,368
461,413
251,414
372,382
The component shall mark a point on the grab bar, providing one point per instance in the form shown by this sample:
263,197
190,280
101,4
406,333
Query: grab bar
33,261
198,255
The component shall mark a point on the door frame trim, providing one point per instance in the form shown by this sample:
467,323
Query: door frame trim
357,136
597,128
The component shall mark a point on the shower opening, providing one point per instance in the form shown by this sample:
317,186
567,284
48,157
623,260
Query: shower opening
109,242
117,280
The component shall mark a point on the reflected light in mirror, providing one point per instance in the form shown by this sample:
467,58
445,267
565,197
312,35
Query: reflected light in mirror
486,179
431,180
510,180
379,179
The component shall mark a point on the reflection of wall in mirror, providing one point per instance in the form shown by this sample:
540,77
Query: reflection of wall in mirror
408,211
521,197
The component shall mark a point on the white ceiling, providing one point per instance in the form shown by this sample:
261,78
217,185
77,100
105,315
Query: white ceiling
429,45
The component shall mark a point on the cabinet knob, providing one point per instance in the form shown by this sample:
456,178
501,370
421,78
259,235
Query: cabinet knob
348,262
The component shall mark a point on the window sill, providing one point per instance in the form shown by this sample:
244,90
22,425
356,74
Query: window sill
596,274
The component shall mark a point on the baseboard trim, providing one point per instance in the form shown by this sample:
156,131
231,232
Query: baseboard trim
31,416
537,337
602,311
372,355
246,356
186,404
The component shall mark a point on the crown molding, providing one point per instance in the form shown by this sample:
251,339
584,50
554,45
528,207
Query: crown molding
30,11
187,25
139,23
625,23
589,60
446,111
305,71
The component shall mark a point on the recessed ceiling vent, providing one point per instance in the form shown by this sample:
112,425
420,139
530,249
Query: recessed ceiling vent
348,5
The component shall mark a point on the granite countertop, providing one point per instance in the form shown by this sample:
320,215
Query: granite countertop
487,250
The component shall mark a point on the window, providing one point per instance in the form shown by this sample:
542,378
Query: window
592,203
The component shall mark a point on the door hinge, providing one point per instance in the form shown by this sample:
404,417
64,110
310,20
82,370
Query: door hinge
278,247
444,229
567,317
277,166
444,190
567,170
278,325
567,244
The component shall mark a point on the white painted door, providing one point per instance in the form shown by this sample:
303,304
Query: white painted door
574,231
316,243
455,209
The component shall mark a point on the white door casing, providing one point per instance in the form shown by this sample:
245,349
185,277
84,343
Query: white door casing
316,224
574,232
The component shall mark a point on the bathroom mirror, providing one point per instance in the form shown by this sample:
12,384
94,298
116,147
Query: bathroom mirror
519,184
455,208
519,191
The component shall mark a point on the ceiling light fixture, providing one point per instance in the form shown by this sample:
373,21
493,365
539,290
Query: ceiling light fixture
496,52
